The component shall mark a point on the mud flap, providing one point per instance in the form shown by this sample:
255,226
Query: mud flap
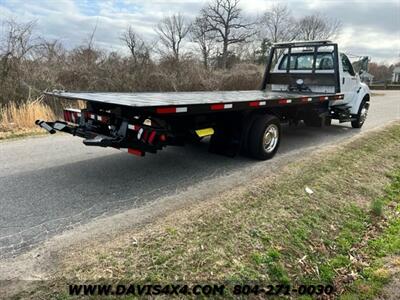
224,143
226,139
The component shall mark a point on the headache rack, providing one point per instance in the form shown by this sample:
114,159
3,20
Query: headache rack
310,77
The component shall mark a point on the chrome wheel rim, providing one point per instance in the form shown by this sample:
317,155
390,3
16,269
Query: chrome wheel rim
270,138
363,114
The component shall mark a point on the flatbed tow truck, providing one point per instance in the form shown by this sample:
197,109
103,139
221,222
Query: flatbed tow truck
303,81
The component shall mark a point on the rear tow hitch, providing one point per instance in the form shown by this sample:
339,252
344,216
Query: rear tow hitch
102,141
53,126
46,126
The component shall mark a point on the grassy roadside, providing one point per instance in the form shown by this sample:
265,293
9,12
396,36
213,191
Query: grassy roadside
18,121
8,135
344,231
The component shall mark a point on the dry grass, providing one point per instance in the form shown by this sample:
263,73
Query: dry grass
22,117
18,120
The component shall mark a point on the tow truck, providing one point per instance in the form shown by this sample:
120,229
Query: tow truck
309,81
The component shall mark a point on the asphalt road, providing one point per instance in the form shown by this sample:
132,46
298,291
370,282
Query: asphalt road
54,183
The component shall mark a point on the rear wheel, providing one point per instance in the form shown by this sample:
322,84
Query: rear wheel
361,115
264,137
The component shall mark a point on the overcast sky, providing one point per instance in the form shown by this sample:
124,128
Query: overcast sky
369,27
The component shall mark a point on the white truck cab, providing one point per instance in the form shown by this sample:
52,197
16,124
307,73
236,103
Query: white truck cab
318,61
351,86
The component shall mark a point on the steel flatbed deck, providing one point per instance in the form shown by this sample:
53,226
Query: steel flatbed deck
192,102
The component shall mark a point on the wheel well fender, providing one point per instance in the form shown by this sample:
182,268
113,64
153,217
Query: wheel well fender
362,96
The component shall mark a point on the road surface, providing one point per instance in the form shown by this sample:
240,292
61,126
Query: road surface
54,183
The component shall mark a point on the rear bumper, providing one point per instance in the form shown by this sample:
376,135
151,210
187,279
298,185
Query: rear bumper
109,131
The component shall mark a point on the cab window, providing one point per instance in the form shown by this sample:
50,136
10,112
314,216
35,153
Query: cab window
304,61
347,66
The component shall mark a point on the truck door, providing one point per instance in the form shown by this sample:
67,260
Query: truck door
348,80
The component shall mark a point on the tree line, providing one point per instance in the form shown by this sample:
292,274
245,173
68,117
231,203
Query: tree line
222,32
220,49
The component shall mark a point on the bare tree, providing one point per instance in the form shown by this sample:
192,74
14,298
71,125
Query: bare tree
87,53
277,25
381,72
204,38
135,44
224,17
90,39
316,27
16,43
171,31
49,51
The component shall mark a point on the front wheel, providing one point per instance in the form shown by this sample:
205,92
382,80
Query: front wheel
361,115
264,137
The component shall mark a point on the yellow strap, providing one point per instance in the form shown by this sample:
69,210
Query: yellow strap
204,132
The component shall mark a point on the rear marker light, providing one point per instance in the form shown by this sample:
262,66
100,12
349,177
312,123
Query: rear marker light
166,110
306,99
221,106
171,110
257,103
285,101
217,106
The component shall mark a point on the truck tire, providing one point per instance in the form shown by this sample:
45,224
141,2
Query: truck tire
264,137
361,115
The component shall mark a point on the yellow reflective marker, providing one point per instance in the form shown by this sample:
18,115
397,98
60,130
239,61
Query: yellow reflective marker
204,132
